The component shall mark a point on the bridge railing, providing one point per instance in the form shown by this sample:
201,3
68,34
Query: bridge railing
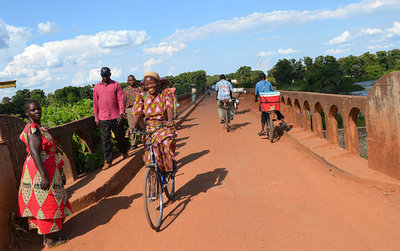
309,110
382,118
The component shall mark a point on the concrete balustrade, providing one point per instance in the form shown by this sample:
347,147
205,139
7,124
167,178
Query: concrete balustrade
380,109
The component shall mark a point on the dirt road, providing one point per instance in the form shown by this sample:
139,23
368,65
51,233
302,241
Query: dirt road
237,191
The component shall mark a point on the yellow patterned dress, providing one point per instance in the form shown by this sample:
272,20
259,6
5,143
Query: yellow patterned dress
45,209
154,110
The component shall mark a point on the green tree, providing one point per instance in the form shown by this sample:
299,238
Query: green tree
374,71
39,96
283,72
243,73
6,100
325,76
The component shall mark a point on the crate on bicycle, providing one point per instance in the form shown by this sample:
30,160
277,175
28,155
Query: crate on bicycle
270,101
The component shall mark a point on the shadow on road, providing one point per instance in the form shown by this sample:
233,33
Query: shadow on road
199,184
187,126
191,157
243,111
234,127
97,215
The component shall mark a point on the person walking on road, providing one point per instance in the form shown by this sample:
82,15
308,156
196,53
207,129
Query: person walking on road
130,93
263,85
108,106
224,92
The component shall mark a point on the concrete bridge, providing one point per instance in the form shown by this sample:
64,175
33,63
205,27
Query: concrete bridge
304,110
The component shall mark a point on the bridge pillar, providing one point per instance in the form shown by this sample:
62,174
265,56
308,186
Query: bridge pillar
351,131
332,133
306,116
297,114
317,120
383,125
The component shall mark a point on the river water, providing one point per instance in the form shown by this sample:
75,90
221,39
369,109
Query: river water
367,85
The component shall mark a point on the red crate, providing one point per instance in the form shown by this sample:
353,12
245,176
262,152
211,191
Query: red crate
270,101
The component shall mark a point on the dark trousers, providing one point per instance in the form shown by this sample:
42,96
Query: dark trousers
106,126
264,116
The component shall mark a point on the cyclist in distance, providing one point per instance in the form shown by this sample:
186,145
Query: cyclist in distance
156,105
224,92
264,85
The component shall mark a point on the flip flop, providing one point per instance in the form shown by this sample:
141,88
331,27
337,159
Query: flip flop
58,242
262,133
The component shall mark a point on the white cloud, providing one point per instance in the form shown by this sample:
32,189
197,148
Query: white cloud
148,65
377,47
48,28
78,55
11,36
280,51
342,39
337,51
133,69
395,31
4,35
112,39
276,19
287,51
370,32
266,53
165,48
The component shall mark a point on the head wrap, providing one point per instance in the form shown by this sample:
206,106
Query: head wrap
151,74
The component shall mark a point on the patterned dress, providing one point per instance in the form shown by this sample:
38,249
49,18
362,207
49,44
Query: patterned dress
45,209
154,109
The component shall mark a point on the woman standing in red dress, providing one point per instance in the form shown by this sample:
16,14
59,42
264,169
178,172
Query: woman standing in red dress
42,197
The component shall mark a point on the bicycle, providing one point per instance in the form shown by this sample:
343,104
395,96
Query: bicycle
235,104
154,184
271,132
270,101
227,116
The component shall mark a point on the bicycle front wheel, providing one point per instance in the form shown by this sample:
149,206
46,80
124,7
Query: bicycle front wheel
152,198
170,187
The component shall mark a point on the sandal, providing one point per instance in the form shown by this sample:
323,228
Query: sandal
58,241
222,121
262,133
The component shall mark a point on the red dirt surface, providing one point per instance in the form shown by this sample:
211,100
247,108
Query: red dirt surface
238,191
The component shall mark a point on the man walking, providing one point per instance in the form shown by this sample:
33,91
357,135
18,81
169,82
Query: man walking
108,106
130,93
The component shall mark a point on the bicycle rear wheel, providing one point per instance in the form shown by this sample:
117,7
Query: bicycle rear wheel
227,119
152,198
270,127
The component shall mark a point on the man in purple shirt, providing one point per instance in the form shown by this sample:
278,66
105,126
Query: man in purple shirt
108,105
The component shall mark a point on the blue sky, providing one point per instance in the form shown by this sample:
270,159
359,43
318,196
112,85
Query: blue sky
48,45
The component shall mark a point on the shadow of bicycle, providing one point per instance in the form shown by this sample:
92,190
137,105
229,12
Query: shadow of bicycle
199,184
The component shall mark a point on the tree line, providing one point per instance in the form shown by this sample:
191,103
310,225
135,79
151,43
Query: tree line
327,74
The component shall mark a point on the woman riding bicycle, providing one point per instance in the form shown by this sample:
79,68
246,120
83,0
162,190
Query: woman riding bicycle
156,106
